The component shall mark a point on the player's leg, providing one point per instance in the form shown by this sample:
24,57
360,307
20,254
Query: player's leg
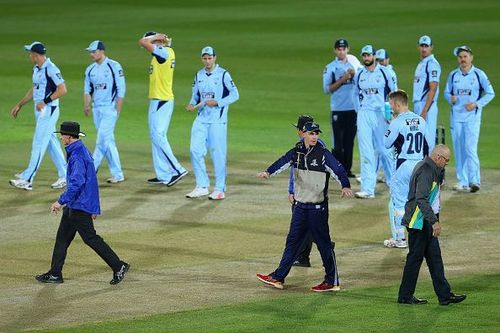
431,120
386,155
338,136
472,130
349,135
106,141
366,121
217,145
54,147
459,142
198,150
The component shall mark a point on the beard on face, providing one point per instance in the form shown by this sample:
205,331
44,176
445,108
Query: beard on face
368,63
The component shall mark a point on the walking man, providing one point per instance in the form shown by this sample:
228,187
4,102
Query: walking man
338,83
161,105
468,90
80,206
48,87
105,88
424,227
313,165
426,87
213,92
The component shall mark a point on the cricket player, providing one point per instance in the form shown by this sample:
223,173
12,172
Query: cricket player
161,105
313,165
337,82
407,134
104,86
426,87
213,92
468,90
48,87
372,84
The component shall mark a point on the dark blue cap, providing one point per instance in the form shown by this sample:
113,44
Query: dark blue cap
311,127
36,47
96,45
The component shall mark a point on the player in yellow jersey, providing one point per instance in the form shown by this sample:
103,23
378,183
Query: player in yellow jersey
161,105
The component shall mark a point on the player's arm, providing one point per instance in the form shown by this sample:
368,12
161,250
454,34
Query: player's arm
56,77
391,135
434,73
488,94
355,91
282,164
148,42
195,96
28,97
448,91
121,87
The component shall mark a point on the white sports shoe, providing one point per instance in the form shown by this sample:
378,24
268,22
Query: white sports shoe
216,195
358,179
390,243
21,183
401,244
364,195
461,188
113,180
59,183
197,192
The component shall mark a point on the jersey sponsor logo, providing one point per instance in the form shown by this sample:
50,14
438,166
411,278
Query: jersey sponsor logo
370,91
464,92
208,95
100,86
434,73
413,121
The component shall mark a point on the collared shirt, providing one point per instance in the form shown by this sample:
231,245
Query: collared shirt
340,99
371,88
470,87
45,81
312,168
407,134
161,73
105,82
82,190
217,85
428,70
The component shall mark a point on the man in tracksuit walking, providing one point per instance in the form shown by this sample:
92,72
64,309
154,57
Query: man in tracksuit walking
313,164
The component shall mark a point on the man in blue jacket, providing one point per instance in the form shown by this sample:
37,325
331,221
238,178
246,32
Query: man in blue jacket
80,206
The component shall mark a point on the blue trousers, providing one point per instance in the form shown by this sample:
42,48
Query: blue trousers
422,245
105,120
308,218
164,162
465,137
45,139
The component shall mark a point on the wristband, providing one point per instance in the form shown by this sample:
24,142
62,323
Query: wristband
47,100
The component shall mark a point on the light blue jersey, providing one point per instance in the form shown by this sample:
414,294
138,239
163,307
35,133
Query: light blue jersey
340,99
428,70
217,85
394,76
470,87
407,134
104,82
45,81
371,88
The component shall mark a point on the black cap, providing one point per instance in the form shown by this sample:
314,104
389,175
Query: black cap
341,43
303,119
36,47
70,128
311,127
149,33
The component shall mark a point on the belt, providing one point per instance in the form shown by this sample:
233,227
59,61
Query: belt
311,205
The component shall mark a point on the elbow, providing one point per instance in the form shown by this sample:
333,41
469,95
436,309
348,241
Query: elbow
62,90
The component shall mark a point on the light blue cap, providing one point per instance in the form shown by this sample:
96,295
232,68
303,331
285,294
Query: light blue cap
207,50
367,49
425,40
381,54
96,45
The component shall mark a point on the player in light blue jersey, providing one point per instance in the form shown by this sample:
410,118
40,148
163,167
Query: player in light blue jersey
426,87
407,134
468,90
372,84
213,92
104,86
337,82
48,87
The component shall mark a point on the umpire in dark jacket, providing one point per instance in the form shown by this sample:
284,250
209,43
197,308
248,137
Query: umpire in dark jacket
422,222
80,206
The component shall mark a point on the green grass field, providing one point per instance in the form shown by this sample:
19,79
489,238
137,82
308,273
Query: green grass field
194,262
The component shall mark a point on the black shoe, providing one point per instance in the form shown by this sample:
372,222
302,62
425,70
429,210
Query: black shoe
302,263
155,181
175,179
453,299
413,300
49,278
119,275
351,175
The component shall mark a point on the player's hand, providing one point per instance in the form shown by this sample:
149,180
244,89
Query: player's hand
211,102
454,99
436,229
471,106
86,111
346,192
15,110
190,108
291,198
263,174
40,106
94,216
55,208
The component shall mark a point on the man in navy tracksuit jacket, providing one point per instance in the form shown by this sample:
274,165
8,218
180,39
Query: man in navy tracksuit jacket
80,205
313,164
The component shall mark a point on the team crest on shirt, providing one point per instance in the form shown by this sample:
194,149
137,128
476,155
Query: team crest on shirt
314,162
387,133
434,73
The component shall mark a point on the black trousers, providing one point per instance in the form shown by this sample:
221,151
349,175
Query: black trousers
422,245
344,129
73,221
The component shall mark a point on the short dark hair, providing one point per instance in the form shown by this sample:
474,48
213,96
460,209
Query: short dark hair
399,96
